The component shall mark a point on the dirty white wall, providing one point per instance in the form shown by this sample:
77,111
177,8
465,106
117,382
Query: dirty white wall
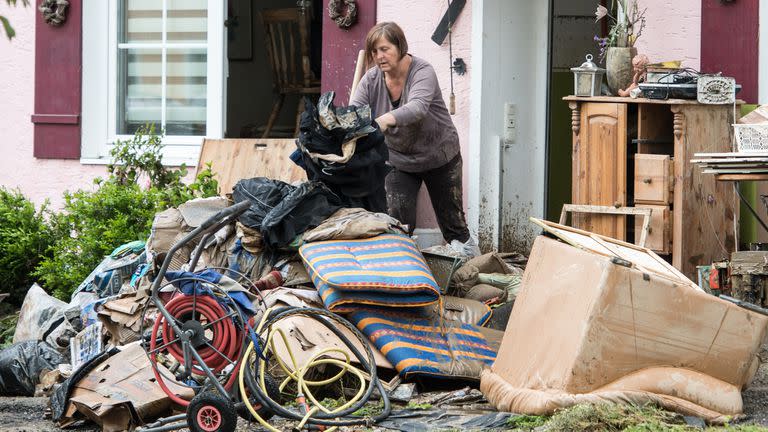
510,61
38,179
419,18
673,31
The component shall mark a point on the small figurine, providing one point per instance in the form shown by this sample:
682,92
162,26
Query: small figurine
639,64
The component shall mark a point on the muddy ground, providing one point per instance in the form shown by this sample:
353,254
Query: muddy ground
32,414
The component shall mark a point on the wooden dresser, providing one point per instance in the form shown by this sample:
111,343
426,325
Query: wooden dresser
637,152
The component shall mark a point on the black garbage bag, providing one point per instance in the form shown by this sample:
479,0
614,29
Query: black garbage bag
21,365
264,194
287,210
356,176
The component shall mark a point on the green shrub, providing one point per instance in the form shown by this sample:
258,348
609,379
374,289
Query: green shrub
90,226
93,223
24,239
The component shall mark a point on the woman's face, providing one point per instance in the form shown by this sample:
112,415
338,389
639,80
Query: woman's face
385,55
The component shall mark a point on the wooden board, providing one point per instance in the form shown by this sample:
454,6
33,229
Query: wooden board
731,155
755,170
236,159
603,149
626,100
704,210
741,177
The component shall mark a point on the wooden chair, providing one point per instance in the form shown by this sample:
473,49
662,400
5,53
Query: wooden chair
287,38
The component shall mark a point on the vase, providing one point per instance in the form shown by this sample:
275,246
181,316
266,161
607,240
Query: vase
618,65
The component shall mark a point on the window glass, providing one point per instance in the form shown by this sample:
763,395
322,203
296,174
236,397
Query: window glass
161,65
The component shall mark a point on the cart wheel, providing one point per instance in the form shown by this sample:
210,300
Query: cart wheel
211,412
273,391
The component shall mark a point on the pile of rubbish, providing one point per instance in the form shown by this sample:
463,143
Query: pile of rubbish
271,303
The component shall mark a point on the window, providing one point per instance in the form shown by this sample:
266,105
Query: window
162,63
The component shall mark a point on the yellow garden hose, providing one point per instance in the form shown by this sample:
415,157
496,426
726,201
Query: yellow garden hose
298,373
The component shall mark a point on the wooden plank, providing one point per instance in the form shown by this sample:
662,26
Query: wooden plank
731,154
726,161
624,100
756,170
705,211
236,159
741,177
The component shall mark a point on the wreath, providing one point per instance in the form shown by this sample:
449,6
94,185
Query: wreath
343,20
54,11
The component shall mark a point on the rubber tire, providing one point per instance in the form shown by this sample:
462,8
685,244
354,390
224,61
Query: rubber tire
273,390
212,399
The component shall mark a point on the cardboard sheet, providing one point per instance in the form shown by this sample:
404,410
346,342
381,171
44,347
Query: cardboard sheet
122,392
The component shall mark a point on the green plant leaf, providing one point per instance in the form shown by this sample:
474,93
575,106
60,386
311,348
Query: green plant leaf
9,31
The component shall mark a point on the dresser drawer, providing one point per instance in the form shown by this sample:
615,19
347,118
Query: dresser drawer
654,182
659,237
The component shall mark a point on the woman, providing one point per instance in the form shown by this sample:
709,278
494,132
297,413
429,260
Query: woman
405,97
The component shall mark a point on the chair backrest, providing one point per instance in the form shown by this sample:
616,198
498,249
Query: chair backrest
287,39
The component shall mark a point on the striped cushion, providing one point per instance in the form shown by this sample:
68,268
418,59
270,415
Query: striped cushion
386,270
421,346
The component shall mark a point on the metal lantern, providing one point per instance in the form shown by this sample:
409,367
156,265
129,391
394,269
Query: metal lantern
587,78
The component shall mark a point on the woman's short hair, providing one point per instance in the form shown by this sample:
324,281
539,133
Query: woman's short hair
391,32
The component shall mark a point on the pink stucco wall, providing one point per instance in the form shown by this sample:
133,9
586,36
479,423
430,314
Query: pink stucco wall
419,18
673,31
38,179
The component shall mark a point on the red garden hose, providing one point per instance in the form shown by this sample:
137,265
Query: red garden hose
223,347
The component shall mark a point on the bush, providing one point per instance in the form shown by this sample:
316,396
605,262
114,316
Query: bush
92,224
24,239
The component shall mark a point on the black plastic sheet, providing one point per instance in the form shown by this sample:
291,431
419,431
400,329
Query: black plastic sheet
281,211
21,365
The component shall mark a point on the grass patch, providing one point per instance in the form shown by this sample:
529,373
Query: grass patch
418,406
609,417
614,417
370,409
527,422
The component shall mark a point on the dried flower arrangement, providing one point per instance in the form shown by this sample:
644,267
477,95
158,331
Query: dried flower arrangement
625,27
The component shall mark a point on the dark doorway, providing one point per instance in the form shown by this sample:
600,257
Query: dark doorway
251,88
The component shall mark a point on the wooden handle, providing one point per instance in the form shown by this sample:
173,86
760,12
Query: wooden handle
359,66
452,104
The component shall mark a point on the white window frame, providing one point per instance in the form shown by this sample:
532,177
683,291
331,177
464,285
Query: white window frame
99,84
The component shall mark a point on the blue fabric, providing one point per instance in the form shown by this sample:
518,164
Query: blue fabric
195,287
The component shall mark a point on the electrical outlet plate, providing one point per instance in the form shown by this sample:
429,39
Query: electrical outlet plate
510,123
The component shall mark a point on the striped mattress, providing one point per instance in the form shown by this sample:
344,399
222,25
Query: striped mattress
386,270
421,345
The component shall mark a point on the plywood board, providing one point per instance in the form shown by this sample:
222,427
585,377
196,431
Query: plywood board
236,159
